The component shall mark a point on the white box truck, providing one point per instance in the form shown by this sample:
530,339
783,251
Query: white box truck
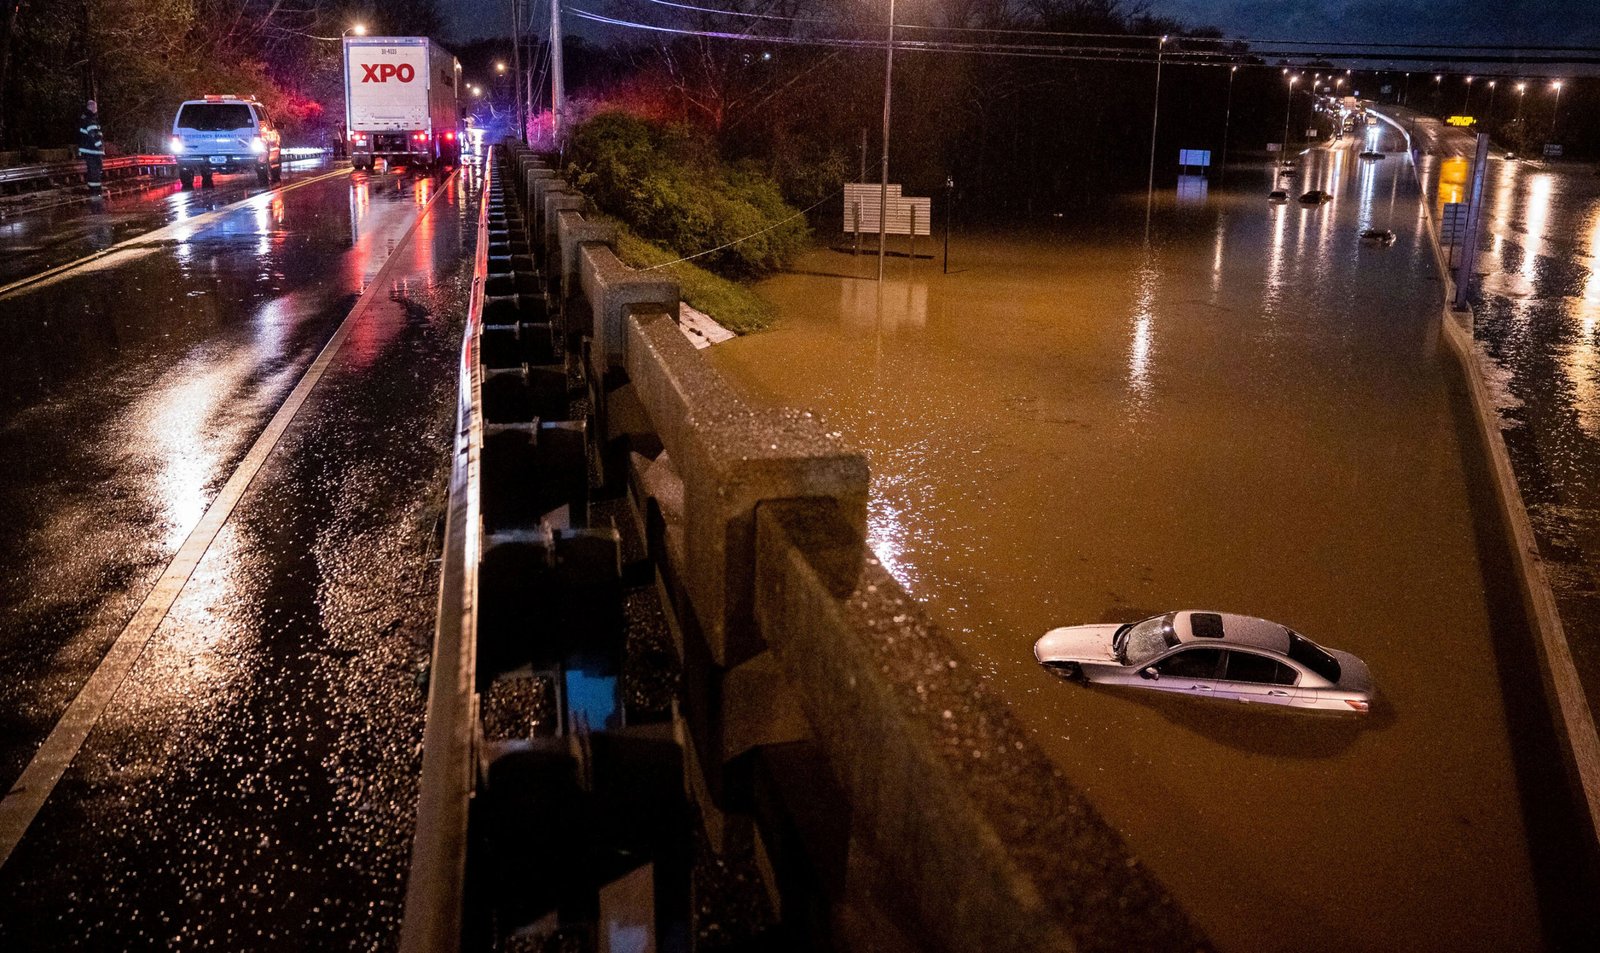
400,96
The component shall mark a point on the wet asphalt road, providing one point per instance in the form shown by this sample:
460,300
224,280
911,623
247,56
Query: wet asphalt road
64,226
251,784
1536,304
1538,323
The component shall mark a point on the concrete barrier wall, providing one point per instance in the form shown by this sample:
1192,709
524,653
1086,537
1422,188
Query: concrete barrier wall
959,832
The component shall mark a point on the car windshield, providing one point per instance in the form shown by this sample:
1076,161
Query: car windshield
1144,640
214,117
1312,656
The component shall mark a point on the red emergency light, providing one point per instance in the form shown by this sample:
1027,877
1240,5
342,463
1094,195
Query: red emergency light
450,137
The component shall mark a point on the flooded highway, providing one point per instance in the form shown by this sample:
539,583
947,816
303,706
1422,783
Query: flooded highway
1254,414
250,784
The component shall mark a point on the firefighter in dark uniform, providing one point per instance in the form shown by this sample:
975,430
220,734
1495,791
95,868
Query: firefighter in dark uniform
91,145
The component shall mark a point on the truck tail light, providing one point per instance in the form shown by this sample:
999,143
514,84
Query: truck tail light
450,137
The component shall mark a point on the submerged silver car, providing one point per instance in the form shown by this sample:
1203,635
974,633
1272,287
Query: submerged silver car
1212,654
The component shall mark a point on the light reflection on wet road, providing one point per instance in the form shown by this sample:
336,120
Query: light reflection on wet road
70,228
1253,415
1538,322
252,784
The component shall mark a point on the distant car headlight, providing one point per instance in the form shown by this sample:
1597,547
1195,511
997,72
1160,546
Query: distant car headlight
258,145
177,145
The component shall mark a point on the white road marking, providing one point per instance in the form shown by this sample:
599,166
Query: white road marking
22,803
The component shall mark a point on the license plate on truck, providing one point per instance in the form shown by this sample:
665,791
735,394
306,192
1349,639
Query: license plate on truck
219,160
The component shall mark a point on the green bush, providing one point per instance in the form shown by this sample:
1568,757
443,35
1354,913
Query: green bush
672,189
733,305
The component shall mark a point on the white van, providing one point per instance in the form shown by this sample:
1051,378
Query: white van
225,134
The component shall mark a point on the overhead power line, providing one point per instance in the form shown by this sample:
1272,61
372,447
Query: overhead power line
1518,52
1118,54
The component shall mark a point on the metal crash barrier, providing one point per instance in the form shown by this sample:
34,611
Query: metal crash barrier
49,175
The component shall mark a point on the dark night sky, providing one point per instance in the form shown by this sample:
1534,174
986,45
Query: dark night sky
1566,22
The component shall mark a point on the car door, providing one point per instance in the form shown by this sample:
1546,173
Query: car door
1253,677
1189,671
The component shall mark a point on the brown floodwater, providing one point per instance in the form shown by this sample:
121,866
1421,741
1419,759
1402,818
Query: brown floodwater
1253,413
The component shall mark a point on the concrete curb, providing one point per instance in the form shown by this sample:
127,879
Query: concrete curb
1564,691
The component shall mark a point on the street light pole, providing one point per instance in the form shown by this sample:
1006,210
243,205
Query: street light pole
1555,116
1466,103
1227,122
1283,148
883,192
1155,117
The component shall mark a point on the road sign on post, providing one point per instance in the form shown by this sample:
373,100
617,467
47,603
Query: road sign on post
1552,150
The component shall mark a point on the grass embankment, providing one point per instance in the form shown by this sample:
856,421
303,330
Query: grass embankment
679,198
733,305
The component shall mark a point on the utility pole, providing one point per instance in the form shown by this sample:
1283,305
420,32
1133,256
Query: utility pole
1227,123
558,81
1155,118
883,193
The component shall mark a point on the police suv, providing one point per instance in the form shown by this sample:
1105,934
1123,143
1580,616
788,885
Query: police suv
225,134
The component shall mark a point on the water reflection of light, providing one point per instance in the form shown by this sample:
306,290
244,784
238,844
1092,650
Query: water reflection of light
1591,285
360,202
1536,217
1582,366
1143,342
1367,191
175,428
1273,291
1216,254
887,535
1453,181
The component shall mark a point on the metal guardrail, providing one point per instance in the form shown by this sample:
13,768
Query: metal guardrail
53,172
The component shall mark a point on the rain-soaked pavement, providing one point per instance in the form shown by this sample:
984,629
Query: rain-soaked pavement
251,784
51,229
1537,309
1254,414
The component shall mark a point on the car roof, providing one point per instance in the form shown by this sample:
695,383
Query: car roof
1230,629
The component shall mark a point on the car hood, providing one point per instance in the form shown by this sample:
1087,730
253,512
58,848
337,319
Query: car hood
1077,643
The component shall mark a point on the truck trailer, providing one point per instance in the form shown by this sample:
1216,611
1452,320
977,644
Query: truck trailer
401,104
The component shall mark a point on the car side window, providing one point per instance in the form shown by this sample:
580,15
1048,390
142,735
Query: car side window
1191,663
1250,667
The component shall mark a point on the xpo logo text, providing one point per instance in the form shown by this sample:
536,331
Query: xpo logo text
382,72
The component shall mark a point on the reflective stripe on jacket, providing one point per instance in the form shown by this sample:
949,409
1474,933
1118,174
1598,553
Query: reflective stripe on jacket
90,139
